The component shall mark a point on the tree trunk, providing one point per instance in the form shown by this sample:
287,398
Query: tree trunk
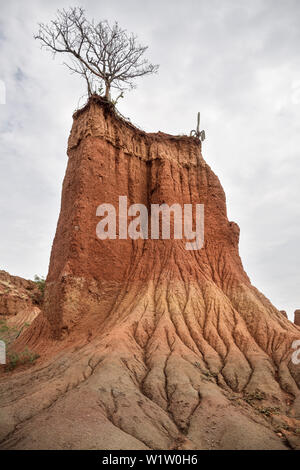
107,91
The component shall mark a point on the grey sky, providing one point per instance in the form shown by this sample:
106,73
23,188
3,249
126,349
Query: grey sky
236,61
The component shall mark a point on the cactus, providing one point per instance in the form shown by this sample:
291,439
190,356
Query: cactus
197,133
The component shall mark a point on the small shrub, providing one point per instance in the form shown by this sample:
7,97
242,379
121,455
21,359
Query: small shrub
251,397
41,284
7,333
25,357
40,281
210,375
269,411
3,327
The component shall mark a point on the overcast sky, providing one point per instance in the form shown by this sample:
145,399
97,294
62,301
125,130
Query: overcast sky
236,61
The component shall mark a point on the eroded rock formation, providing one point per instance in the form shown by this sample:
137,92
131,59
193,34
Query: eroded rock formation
284,313
17,295
144,344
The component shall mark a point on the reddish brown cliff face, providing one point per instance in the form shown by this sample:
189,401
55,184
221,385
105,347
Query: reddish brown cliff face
17,295
150,345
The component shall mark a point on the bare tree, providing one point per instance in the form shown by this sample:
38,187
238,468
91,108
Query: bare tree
104,55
